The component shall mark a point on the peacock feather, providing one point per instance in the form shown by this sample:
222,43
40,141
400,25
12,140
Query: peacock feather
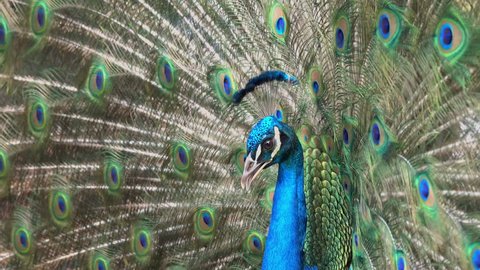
239,134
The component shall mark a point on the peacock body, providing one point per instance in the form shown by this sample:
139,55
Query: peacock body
124,123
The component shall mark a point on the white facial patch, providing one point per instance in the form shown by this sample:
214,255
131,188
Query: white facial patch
278,142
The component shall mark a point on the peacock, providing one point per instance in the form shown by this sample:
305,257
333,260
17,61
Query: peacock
239,134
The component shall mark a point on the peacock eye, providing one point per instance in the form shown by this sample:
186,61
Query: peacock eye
268,144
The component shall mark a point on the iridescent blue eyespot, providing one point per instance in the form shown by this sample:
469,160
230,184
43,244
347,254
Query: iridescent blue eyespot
355,238
182,155
376,134
280,26
256,242
227,85
3,34
384,26
315,87
39,115
61,204
340,38
346,139
114,175
476,259
279,114
168,72
101,265
401,264
424,189
446,36
99,80
143,240
41,16
207,219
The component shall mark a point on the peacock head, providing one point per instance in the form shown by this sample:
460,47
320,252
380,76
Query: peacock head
270,142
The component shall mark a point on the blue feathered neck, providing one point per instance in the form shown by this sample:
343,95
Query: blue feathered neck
284,248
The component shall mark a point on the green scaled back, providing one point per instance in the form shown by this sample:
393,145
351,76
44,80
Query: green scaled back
223,84
253,247
329,232
205,224
277,21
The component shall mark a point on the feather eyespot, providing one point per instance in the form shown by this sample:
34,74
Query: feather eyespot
5,34
98,261
4,164
166,73
38,117
278,21
342,33
40,17
60,208
113,176
279,114
389,27
142,242
425,190
182,159
22,241
222,81
239,159
101,264
379,137
253,247
304,135
205,222
315,82
451,38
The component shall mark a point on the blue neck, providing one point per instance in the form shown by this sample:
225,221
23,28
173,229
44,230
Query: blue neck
286,234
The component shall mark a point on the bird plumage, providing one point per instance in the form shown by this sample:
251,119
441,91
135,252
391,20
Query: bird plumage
121,148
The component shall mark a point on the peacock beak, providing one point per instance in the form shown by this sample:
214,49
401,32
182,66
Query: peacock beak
251,170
